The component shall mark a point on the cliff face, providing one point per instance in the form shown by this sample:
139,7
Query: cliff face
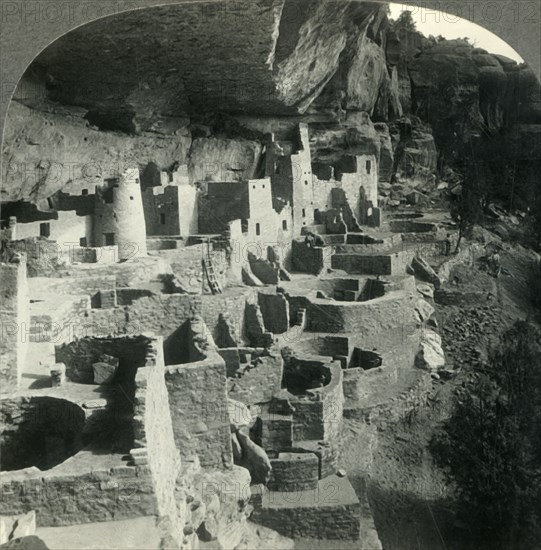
253,56
463,92
148,85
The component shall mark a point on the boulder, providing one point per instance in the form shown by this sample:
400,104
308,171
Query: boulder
58,374
430,357
424,310
208,530
25,543
426,290
239,414
104,372
254,459
425,272
13,527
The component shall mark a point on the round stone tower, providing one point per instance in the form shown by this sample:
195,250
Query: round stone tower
128,217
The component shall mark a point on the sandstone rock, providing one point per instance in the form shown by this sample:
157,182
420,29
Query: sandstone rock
58,374
254,459
21,525
25,543
95,404
426,290
213,159
430,357
267,272
248,278
104,372
236,449
424,309
239,414
208,530
257,536
425,272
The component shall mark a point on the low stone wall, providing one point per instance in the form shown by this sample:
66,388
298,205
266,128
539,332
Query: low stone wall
392,311
93,255
460,297
384,264
331,511
294,472
61,497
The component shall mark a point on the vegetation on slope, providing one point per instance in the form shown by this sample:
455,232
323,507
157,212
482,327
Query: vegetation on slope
491,445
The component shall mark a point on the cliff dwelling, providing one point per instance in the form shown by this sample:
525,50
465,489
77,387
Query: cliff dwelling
252,256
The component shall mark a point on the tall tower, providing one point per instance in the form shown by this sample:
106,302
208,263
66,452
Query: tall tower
128,216
119,219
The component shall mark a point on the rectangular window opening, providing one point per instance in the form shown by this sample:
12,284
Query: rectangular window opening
45,229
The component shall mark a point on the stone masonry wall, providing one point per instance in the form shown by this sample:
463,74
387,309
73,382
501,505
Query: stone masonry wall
394,311
163,457
14,315
198,405
64,498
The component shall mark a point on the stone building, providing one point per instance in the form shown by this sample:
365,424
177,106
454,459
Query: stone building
119,217
359,180
289,165
171,206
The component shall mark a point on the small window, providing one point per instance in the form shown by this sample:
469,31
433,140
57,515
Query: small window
109,239
45,229
253,186
162,219
303,213
84,192
170,176
136,180
244,225
284,225
305,182
82,241
368,166
263,186
257,229
131,198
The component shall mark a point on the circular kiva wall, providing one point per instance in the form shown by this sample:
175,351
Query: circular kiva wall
39,431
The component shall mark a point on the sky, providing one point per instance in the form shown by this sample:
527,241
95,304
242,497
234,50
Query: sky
436,23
